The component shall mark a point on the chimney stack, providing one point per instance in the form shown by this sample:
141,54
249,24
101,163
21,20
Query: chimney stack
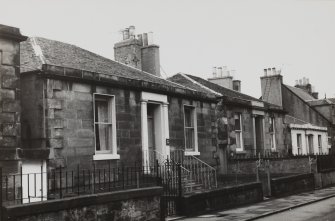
139,52
271,84
223,77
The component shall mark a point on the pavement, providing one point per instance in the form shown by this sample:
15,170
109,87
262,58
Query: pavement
266,207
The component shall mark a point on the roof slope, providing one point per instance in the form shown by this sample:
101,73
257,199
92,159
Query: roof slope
205,86
37,51
300,93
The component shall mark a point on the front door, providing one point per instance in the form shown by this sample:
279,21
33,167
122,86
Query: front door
151,134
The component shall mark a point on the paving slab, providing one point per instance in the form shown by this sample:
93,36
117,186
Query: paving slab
266,208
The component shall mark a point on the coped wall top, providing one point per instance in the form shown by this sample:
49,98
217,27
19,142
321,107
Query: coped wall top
12,33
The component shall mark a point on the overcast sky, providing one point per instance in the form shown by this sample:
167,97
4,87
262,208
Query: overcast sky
297,36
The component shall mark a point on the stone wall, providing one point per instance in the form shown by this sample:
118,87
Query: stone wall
324,179
10,110
205,125
60,118
277,165
222,198
289,185
137,204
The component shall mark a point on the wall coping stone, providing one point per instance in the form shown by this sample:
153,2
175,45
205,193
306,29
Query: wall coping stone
79,201
12,33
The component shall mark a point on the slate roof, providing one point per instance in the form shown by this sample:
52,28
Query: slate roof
300,93
208,87
37,51
205,86
321,102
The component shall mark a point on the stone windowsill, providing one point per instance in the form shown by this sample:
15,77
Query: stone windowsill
105,156
192,153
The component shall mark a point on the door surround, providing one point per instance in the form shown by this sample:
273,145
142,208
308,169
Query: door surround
162,121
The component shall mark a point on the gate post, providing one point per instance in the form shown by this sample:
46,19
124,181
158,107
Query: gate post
179,208
1,218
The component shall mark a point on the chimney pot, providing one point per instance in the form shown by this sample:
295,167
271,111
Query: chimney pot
132,31
125,34
145,39
265,72
274,71
214,71
269,71
150,38
219,71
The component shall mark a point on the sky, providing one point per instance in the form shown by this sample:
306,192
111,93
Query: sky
296,36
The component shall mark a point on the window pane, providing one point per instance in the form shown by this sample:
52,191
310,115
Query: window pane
237,121
189,139
299,140
103,133
101,111
271,124
188,117
238,139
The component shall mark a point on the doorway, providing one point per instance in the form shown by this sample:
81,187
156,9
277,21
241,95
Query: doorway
151,133
259,134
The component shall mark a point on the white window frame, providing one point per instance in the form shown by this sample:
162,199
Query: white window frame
108,154
299,147
273,134
320,143
194,152
241,148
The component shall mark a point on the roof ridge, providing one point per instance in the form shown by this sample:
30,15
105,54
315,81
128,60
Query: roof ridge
100,56
240,93
199,84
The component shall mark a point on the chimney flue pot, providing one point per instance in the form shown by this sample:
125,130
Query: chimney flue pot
265,72
150,38
145,39
214,71
132,31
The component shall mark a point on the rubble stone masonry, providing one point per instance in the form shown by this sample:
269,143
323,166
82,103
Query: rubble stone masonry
9,95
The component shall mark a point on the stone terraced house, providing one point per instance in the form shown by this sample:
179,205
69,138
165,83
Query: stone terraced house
246,126
310,121
83,108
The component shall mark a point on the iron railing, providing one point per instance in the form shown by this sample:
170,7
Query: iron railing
61,182
202,175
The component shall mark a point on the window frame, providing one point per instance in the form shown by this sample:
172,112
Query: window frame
240,132
112,152
272,132
195,151
299,141
320,143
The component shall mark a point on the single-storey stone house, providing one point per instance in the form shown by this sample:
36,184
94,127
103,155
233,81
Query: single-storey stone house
84,108
246,126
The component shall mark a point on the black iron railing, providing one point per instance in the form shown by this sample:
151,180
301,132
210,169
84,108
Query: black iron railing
61,182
